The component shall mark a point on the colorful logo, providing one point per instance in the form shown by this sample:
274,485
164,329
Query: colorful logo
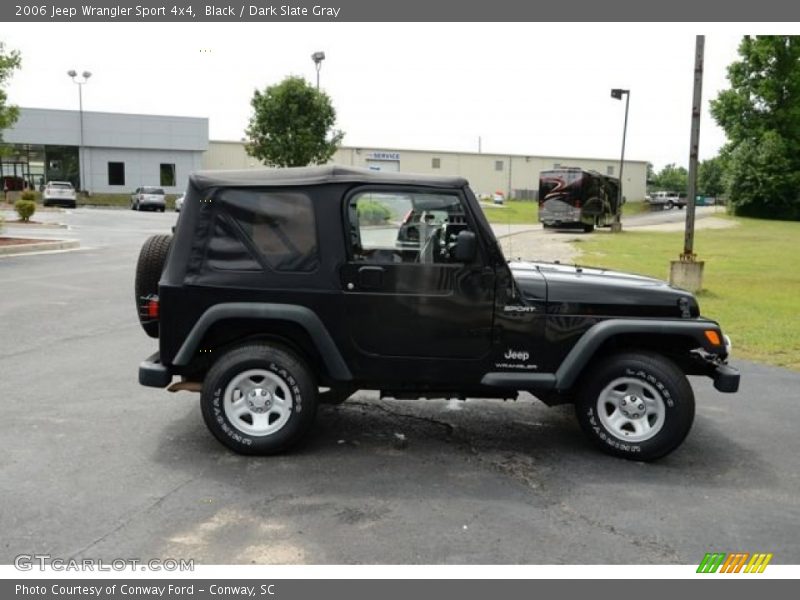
736,562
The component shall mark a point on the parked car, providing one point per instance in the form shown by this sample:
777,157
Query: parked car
59,192
148,198
667,200
498,198
179,203
272,296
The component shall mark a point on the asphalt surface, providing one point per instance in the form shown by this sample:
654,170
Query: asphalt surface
93,465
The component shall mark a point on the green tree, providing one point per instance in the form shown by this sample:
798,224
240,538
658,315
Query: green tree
292,125
651,173
710,177
671,179
760,115
9,61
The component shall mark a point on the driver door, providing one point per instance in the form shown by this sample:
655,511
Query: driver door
405,294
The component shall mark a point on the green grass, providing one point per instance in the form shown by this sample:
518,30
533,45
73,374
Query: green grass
526,212
635,208
515,212
119,200
751,280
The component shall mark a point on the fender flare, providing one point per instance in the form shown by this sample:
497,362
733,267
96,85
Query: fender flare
300,315
588,344
585,348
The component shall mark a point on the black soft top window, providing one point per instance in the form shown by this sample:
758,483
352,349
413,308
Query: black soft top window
277,227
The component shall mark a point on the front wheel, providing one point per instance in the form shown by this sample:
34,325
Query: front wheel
259,399
636,405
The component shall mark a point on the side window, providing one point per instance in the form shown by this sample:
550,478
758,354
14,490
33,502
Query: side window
280,225
405,227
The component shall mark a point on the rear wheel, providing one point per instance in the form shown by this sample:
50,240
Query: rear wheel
259,399
636,405
588,228
669,205
149,267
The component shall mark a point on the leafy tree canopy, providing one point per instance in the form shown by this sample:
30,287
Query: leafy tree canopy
760,114
9,61
671,178
292,125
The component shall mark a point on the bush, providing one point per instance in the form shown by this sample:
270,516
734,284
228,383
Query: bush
28,195
373,213
25,209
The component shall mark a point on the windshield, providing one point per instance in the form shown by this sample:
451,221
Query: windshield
152,190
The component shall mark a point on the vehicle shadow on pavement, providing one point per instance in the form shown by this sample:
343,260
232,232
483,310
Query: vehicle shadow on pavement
416,472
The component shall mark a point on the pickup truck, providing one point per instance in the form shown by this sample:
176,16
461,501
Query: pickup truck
667,200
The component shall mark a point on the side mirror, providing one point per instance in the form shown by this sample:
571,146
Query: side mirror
466,248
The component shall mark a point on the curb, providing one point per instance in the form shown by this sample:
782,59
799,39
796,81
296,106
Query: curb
38,225
44,246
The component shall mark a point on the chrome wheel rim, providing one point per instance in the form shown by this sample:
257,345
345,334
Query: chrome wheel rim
258,402
631,410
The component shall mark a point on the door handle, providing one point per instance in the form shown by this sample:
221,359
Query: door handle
370,277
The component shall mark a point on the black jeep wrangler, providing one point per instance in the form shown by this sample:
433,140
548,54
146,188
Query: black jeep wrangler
284,288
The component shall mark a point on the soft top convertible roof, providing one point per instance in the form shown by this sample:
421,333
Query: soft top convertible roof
291,176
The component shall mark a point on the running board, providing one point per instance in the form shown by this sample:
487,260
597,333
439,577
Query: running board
520,381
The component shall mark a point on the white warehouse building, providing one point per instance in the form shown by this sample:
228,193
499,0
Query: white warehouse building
116,153
515,175
103,152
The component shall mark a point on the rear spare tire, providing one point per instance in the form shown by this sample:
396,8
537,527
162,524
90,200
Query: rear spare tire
152,258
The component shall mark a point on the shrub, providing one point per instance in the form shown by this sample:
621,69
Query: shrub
28,195
25,209
373,213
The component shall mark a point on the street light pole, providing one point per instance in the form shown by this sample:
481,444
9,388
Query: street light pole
318,57
617,93
86,74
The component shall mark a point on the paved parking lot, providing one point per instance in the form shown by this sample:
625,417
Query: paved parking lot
93,465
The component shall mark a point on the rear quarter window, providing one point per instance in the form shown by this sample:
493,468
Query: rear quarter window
279,225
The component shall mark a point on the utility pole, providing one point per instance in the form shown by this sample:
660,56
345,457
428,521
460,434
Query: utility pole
687,272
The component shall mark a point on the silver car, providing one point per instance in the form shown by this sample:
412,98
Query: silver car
148,198
59,192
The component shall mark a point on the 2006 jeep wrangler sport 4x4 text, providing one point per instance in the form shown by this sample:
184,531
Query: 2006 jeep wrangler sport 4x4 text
284,288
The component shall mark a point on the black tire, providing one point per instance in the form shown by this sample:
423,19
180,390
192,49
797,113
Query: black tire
660,382
149,267
669,205
588,228
279,365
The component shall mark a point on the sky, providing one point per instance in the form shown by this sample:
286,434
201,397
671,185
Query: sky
523,88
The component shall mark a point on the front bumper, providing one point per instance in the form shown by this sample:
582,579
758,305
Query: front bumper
154,374
726,379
